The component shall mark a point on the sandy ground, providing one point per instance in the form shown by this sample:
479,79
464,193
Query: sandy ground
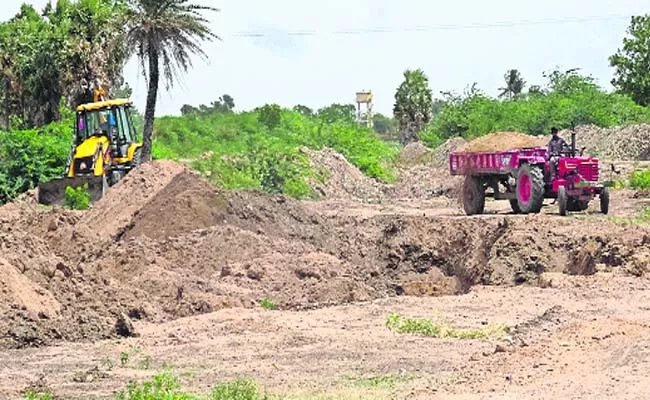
585,338
188,266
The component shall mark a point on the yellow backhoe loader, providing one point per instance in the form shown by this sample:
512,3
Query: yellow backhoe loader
104,150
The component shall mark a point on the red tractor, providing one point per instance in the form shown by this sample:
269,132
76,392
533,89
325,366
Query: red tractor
527,176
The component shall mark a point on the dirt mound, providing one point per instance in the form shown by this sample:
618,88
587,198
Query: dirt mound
114,210
424,172
341,179
181,247
415,153
502,141
626,143
19,292
441,153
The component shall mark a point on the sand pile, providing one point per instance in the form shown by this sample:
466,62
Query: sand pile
342,180
502,141
628,143
181,247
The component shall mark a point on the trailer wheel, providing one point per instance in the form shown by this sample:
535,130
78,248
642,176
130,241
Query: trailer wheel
473,195
562,200
604,201
530,189
514,204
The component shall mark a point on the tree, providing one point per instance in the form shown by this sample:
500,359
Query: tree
164,34
383,125
304,110
514,84
337,112
413,105
632,62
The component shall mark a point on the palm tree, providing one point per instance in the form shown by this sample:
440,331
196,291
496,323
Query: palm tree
413,106
514,84
164,32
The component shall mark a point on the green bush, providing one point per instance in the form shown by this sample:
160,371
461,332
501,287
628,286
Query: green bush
259,151
640,179
31,156
77,198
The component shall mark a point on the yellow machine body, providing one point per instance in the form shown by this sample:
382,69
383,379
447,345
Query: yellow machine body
104,150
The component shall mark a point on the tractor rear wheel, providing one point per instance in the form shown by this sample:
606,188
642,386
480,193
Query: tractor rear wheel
473,195
562,200
530,189
604,201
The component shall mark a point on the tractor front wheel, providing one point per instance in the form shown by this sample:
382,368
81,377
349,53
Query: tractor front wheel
473,195
530,189
562,200
604,201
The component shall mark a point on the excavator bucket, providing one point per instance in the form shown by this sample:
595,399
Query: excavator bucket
53,192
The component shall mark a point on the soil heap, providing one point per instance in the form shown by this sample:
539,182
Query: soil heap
165,244
627,143
502,141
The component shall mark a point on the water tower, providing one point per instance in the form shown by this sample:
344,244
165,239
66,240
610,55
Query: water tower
364,98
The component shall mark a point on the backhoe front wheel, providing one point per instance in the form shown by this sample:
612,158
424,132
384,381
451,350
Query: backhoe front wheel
473,195
530,189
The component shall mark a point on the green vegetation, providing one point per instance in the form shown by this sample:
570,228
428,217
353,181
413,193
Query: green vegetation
413,105
77,199
427,327
642,218
631,63
167,387
568,100
640,180
51,58
268,304
261,149
163,36
382,381
30,156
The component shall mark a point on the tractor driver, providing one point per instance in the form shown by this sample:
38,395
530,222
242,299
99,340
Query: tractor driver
555,147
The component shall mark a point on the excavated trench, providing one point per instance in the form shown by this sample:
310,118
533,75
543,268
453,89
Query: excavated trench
186,248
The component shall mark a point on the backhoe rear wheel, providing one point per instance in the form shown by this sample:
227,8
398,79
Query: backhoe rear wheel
137,157
530,189
473,195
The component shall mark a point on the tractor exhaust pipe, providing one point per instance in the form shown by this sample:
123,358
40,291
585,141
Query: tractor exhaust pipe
573,142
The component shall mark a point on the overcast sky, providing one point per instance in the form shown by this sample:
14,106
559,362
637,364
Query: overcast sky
265,55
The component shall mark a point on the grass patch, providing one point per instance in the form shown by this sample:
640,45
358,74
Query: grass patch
642,218
268,304
431,328
380,382
167,387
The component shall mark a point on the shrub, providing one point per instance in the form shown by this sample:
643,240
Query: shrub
77,198
640,179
